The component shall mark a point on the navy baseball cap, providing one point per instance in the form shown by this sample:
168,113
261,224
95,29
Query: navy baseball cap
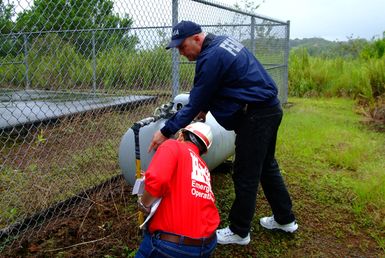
181,31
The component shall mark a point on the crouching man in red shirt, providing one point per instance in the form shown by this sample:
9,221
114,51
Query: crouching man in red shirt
186,219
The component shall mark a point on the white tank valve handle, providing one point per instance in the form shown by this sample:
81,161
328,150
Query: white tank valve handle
164,111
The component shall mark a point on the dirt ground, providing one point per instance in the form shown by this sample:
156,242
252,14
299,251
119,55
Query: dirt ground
106,225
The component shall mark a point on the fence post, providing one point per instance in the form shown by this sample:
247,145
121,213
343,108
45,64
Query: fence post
252,35
175,54
27,82
93,58
285,92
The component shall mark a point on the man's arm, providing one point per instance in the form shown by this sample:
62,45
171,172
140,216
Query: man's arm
209,71
158,137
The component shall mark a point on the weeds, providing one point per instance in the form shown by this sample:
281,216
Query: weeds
362,79
60,161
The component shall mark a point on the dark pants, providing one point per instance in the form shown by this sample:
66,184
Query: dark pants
153,246
254,162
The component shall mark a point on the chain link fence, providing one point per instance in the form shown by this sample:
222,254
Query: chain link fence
75,75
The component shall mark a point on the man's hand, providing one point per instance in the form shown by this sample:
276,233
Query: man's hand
157,139
143,208
145,202
201,117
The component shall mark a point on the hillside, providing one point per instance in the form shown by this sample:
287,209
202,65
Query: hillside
327,48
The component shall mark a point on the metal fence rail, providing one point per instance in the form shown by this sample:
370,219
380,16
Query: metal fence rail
75,75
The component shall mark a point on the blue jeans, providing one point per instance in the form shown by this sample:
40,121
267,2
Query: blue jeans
255,162
152,246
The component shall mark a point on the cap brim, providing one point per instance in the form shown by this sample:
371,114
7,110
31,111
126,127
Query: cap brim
174,43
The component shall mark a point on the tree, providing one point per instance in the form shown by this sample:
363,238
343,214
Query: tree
6,27
6,23
81,22
351,48
376,49
249,6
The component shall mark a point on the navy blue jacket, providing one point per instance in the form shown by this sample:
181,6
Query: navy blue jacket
227,76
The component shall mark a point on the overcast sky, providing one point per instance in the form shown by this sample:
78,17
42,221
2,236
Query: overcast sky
329,19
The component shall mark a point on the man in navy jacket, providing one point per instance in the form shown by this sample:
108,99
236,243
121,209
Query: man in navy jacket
232,84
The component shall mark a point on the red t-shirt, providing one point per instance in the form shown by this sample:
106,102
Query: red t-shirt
179,175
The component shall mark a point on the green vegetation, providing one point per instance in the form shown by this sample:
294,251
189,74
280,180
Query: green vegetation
335,171
116,68
334,165
331,49
63,43
316,76
361,76
341,157
90,20
338,151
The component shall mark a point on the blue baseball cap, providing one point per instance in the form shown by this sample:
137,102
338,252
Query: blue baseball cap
181,31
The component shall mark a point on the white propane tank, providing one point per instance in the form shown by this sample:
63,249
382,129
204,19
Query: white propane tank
221,148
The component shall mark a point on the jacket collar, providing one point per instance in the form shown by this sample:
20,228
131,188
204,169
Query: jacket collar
208,39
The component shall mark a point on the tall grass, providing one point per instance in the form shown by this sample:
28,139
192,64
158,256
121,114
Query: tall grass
55,64
317,76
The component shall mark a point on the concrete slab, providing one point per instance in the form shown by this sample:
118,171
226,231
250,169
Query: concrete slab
34,106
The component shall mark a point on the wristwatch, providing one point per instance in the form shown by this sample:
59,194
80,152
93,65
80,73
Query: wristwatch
143,207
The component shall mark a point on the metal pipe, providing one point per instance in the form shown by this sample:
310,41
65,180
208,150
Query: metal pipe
27,82
93,59
175,54
286,62
252,36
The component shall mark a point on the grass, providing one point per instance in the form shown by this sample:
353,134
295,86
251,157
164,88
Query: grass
335,172
327,134
342,162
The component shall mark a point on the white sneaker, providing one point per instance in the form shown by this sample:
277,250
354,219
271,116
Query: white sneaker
270,223
226,236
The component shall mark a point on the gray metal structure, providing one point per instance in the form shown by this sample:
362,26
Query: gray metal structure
21,108
82,59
